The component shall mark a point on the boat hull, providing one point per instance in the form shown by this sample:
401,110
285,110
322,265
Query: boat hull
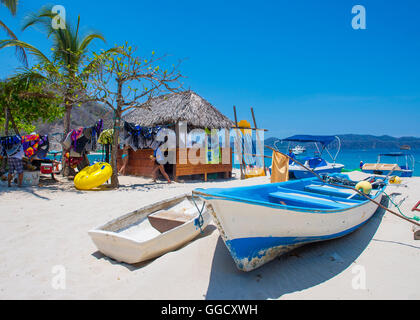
301,173
399,173
255,234
130,250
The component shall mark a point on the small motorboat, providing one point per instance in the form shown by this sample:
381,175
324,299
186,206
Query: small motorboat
259,223
316,162
151,231
298,149
397,168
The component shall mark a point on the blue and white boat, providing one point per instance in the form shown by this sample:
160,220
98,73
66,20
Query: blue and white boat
316,162
404,168
259,223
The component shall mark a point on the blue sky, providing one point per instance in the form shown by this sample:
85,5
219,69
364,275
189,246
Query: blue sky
299,64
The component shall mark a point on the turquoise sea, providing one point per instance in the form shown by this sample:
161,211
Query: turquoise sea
350,158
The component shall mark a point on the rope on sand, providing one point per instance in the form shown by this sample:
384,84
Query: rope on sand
416,218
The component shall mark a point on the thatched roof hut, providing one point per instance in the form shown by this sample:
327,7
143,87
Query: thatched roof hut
171,108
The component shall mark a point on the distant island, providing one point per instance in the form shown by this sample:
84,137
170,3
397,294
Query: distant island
360,142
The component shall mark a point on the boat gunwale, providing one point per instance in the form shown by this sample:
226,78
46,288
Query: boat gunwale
177,199
281,206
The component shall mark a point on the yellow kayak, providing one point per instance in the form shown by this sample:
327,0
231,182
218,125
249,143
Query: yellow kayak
93,176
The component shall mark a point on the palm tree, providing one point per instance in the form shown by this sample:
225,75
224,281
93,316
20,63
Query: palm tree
69,53
20,52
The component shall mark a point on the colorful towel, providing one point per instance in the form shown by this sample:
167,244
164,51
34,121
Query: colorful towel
76,134
33,143
30,144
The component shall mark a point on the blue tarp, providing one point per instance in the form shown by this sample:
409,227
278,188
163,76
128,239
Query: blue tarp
325,140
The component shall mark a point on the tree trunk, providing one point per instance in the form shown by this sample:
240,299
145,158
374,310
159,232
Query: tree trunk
117,127
67,120
66,171
114,148
85,163
13,123
6,133
107,149
6,122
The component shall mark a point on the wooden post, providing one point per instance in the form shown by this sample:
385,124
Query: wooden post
416,232
236,124
416,229
256,131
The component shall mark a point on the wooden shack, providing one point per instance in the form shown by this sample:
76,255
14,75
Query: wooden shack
175,110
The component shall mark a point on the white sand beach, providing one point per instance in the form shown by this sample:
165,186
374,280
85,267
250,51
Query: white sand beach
47,226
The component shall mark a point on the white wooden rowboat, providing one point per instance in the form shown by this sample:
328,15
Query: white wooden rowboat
151,231
259,223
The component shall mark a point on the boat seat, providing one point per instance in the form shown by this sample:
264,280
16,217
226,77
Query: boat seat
323,189
308,199
168,219
302,201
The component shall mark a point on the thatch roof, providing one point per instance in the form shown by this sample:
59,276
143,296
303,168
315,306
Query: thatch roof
186,106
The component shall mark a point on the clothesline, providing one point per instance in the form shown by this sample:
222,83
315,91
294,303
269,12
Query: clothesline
138,137
32,145
83,139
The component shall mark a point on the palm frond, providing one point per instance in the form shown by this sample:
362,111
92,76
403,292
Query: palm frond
33,50
88,39
42,18
20,52
11,5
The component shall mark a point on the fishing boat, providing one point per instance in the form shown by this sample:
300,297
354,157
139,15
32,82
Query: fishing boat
298,149
402,165
151,231
316,163
258,223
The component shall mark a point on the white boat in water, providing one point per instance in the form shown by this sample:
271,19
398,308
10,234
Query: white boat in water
316,163
298,149
151,231
397,168
259,223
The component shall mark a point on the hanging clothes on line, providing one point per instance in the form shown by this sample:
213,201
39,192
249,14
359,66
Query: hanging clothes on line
35,145
105,139
10,145
138,137
83,140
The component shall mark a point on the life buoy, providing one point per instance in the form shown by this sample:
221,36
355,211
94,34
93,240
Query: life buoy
365,186
93,176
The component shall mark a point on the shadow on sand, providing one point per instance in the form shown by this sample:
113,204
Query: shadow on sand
297,270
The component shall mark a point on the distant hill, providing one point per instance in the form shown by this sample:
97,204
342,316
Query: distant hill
84,116
358,141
